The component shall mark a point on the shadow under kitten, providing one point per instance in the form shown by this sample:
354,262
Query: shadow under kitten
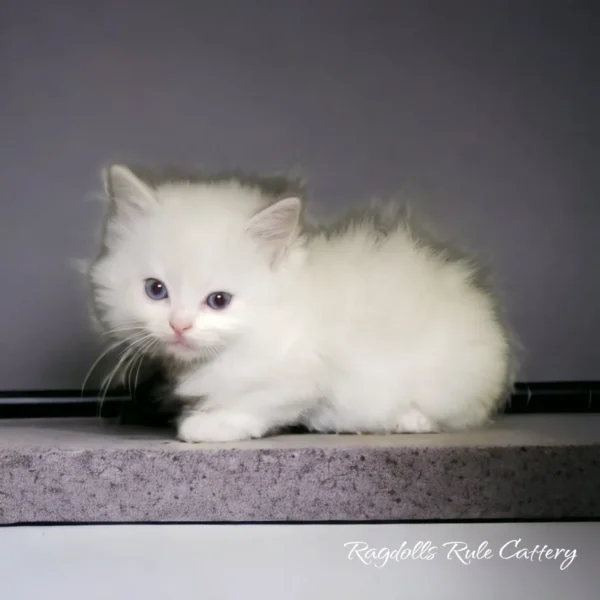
149,405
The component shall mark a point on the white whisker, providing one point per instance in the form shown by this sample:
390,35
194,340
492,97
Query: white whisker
110,377
143,352
134,340
97,361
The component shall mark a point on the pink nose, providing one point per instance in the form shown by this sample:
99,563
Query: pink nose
180,327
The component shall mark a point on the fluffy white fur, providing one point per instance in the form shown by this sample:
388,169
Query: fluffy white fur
351,330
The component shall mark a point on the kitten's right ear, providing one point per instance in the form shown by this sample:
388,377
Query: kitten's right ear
276,225
128,194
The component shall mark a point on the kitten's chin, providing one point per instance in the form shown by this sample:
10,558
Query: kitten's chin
183,353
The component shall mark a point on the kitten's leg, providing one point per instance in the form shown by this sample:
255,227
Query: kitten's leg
414,421
231,414
240,417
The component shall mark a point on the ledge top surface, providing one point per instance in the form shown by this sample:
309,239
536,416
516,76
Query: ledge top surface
91,433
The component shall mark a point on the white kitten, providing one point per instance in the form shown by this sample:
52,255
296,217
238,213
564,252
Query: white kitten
266,322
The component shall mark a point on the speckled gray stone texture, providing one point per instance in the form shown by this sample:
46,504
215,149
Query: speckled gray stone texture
524,467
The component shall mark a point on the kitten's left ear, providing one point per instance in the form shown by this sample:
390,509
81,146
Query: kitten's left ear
277,224
128,193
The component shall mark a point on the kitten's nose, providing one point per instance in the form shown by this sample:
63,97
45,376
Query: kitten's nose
180,326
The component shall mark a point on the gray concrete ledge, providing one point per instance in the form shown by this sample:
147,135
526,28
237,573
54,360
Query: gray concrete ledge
87,470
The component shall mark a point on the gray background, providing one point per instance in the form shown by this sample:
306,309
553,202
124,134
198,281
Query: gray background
487,111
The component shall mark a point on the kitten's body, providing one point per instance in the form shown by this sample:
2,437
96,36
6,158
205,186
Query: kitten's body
361,329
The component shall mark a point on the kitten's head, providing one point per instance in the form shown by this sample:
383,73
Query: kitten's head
186,267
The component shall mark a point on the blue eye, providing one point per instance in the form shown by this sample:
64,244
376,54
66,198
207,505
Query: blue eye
155,289
218,300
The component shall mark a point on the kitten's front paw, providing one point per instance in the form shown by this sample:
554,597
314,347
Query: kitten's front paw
218,426
414,421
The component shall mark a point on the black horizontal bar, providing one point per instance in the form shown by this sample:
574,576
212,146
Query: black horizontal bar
86,408
521,388
116,393
499,521
528,398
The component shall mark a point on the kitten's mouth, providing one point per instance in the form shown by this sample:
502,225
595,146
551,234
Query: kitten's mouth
180,347
180,343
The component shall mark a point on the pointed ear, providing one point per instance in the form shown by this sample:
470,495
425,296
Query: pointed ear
128,194
276,225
